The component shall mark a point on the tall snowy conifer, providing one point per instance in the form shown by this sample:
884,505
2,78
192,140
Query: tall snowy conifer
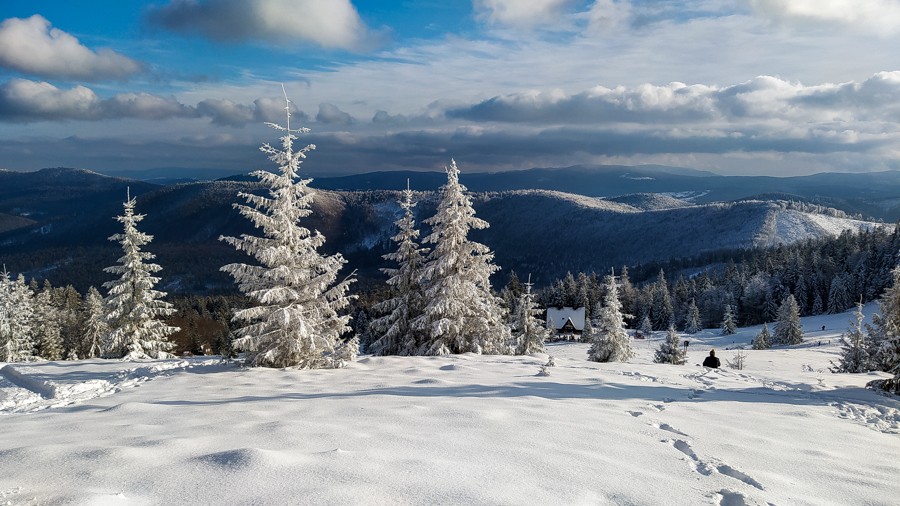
133,305
394,331
883,337
16,315
528,331
788,329
611,342
692,322
854,355
461,314
295,318
838,296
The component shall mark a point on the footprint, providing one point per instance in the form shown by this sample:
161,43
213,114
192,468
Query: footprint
730,498
737,475
635,413
657,407
669,428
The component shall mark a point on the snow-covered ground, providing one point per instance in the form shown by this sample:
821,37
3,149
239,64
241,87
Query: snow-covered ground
455,430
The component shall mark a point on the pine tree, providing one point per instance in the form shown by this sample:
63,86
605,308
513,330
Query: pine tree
528,333
788,329
16,319
728,325
611,342
589,331
95,326
838,296
646,328
394,331
133,305
461,314
46,328
883,337
692,322
295,318
662,310
854,354
817,307
670,350
763,340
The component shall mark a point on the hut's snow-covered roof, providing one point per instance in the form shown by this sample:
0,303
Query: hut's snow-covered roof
559,316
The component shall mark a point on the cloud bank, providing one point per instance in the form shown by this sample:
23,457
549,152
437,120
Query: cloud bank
330,24
32,46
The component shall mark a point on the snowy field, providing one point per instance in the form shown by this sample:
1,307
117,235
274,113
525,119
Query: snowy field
455,430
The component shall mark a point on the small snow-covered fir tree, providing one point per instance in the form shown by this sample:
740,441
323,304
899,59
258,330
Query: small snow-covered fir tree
46,332
295,319
729,326
16,319
394,331
854,353
528,332
461,313
788,329
133,306
95,326
646,328
670,350
692,322
611,341
587,333
763,340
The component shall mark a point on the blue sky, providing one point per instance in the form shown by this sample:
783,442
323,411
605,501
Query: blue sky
776,87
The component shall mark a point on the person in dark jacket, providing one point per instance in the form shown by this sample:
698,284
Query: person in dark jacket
712,360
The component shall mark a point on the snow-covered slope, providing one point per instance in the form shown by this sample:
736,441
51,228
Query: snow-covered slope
455,430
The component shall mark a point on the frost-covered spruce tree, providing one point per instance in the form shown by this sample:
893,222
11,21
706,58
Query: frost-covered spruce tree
670,350
133,306
611,342
728,325
838,296
295,319
95,326
763,340
461,314
854,354
528,331
46,328
646,328
394,331
788,329
16,318
883,336
692,322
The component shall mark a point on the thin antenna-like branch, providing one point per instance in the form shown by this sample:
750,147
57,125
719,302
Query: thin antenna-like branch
287,107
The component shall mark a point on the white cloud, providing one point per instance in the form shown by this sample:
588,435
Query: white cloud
520,13
32,46
882,16
330,114
330,24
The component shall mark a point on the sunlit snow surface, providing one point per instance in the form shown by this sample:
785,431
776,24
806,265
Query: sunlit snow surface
455,430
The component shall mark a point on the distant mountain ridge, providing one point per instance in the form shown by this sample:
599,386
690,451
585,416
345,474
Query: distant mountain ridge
57,222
